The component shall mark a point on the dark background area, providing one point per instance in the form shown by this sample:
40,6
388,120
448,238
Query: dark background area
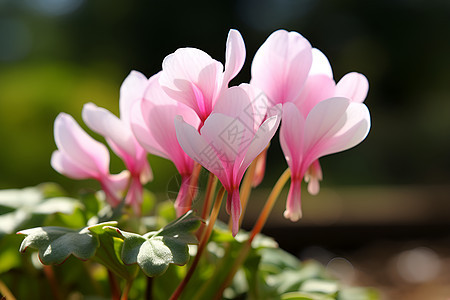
387,195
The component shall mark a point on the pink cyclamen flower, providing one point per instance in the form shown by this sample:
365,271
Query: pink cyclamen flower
230,139
154,127
288,69
119,135
192,77
81,157
333,125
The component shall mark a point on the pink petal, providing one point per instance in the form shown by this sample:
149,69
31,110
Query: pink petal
291,137
192,77
260,141
200,150
143,134
234,204
64,165
354,86
335,125
281,65
235,55
112,128
320,64
316,89
183,203
293,205
313,176
131,91
79,146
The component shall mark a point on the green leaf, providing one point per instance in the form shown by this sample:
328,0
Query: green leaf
56,244
320,286
358,293
108,254
20,205
154,251
305,296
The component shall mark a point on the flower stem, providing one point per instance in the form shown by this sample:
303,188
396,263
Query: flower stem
50,274
210,188
126,290
246,188
114,286
4,290
256,229
269,204
202,244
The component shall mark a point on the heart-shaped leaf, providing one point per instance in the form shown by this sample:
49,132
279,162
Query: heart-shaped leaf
56,244
154,251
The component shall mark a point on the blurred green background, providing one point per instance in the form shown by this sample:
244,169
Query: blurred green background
56,55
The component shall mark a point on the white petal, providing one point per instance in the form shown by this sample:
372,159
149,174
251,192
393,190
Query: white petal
188,72
281,66
260,141
235,55
291,135
79,146
354,86
131,91
320,64
108,125
64,165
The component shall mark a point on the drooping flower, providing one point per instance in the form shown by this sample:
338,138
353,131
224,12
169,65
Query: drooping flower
153,123
118,134
333,125
230,139
192,77
288,69
79,156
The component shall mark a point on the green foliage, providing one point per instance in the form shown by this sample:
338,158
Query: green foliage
154,251
21,208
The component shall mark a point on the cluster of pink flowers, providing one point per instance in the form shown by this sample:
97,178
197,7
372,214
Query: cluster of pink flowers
187,113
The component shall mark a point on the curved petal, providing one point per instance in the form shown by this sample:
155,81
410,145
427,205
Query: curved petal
192,77
79,146
64,165
291,137
335,125
320,64
355,130
354,86
108,125
281,66
131,91
235,56
143,135
260,141
200,150
293,210
316,89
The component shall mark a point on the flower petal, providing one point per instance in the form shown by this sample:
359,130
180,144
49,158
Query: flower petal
320,64
235,56
79,146
291,137
335,125
131,91
112,128
64,165
192,77
281,66
260,141
354,86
